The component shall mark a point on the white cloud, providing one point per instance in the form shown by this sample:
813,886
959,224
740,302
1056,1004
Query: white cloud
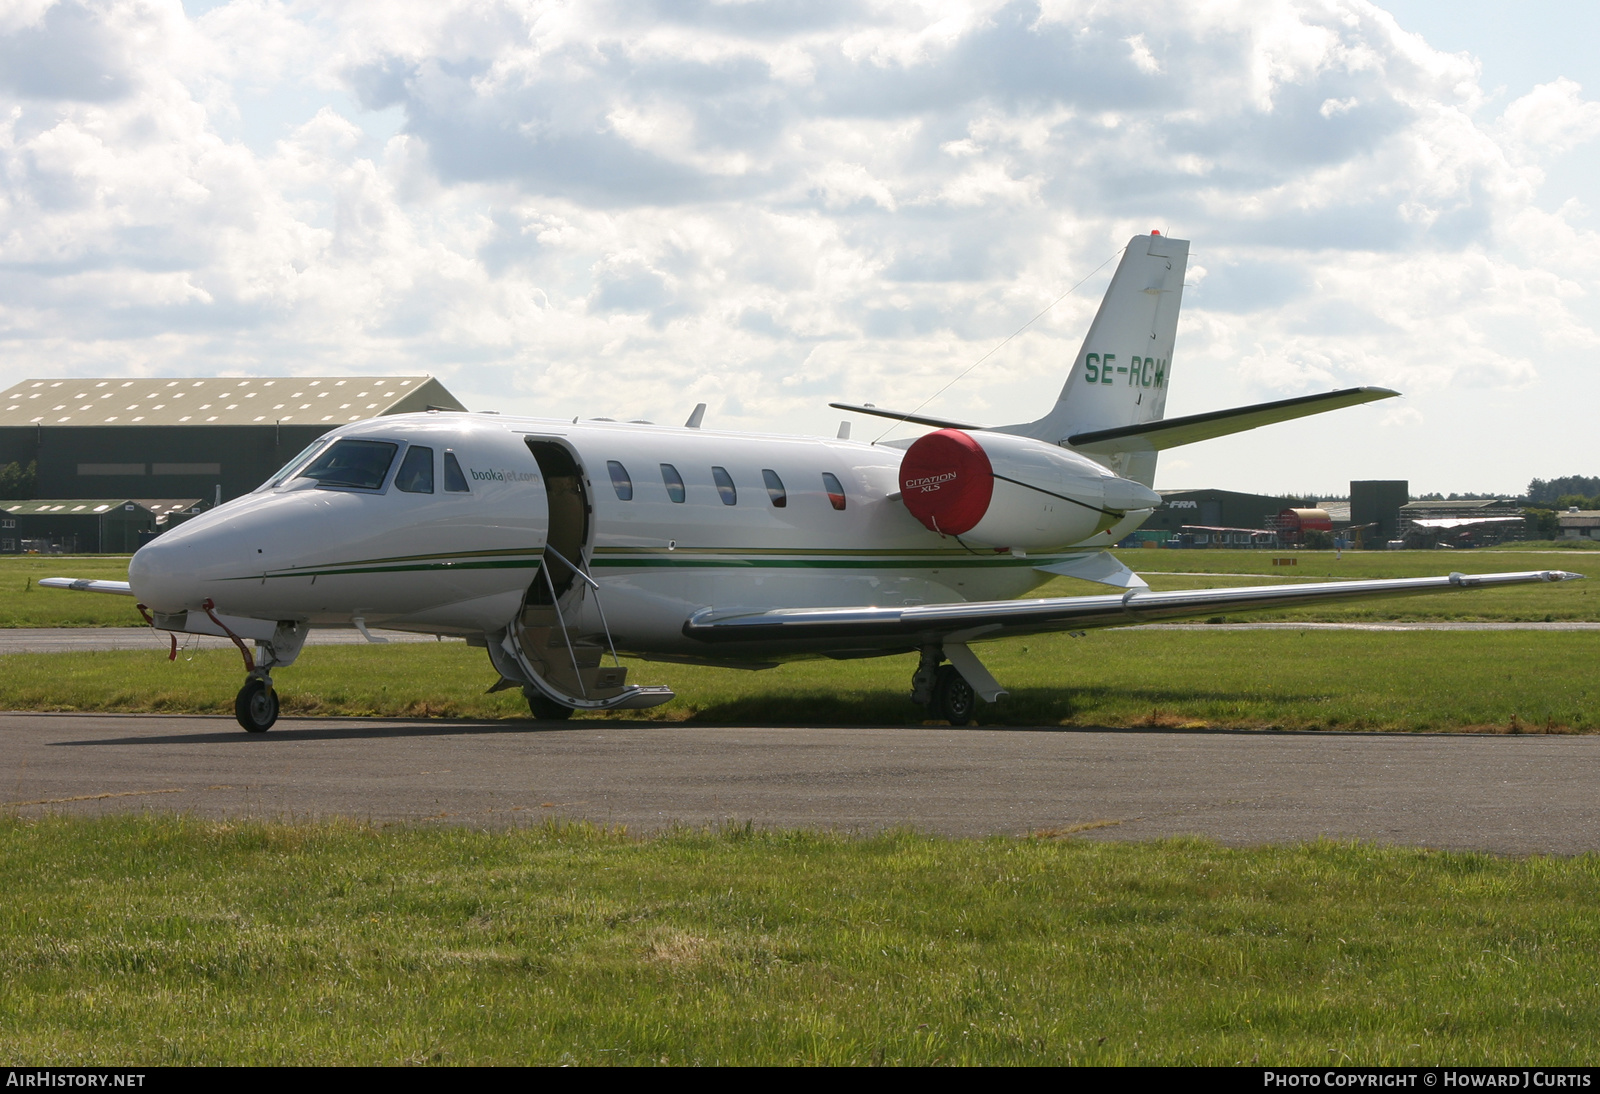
1143,59
1552,118
765,205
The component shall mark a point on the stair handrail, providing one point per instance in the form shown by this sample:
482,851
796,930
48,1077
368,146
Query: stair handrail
555,602
593,584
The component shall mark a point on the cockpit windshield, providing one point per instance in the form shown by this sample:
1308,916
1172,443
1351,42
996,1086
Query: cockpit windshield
282,474
360,465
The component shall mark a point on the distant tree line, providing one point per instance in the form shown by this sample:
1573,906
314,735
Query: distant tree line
1547,499
1579,490
17,483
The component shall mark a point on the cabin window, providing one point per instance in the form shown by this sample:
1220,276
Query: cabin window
358,465
775,489
835,490
725,487
620,482
416,471
454,481
674,482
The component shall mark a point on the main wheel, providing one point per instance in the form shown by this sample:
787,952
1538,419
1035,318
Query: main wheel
256,706
953,698
544,708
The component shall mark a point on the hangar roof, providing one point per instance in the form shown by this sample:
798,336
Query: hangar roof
1462,522
90,506
228,400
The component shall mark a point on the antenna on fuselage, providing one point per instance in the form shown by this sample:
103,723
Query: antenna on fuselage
844,431
697,417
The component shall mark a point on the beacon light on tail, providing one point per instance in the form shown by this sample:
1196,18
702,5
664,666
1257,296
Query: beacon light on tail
1000,491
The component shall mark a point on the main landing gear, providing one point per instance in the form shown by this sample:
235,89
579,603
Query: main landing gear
544,708
953,698
946,691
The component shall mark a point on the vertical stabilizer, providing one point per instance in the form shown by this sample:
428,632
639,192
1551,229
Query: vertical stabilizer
1121,373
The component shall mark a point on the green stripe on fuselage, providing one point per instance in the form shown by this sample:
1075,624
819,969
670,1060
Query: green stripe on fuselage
614,558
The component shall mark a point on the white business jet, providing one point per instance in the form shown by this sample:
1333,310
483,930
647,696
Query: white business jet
557,545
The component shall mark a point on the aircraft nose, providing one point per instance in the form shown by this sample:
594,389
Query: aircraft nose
161,573
1125,494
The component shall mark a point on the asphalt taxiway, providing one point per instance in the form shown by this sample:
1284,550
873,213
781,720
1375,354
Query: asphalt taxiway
1512,794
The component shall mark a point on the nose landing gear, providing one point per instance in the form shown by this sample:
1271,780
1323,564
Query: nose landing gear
256,705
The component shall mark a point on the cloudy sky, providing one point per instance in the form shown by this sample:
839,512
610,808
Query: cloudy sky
624,209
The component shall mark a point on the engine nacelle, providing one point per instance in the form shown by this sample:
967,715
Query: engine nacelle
996,490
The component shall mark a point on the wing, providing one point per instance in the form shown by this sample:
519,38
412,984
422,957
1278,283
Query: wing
1172,432
87,585
845,630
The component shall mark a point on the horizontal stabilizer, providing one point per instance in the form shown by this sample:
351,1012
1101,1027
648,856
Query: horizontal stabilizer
1172,432
87,585
918,419
867,628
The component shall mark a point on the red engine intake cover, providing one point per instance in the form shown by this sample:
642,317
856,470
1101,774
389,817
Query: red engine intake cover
946,481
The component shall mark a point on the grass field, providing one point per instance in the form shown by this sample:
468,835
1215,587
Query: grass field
23,604
135,941
1517,681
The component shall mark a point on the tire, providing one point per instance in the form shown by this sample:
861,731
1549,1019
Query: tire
256,706
544,708
953,698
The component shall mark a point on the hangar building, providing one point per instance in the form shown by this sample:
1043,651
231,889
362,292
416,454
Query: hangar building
1462,523
116,438
1375,507
87,525
1215,509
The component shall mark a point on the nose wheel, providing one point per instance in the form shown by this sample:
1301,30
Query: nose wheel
256,705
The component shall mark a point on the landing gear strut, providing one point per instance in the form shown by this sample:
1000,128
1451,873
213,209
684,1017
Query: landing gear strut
256,705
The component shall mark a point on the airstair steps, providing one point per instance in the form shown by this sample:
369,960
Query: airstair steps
554,654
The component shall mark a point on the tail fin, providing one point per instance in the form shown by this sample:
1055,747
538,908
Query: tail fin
1121,373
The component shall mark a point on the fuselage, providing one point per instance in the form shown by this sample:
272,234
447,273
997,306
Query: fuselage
667,520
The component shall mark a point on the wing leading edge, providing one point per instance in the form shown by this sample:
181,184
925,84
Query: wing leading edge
899,628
